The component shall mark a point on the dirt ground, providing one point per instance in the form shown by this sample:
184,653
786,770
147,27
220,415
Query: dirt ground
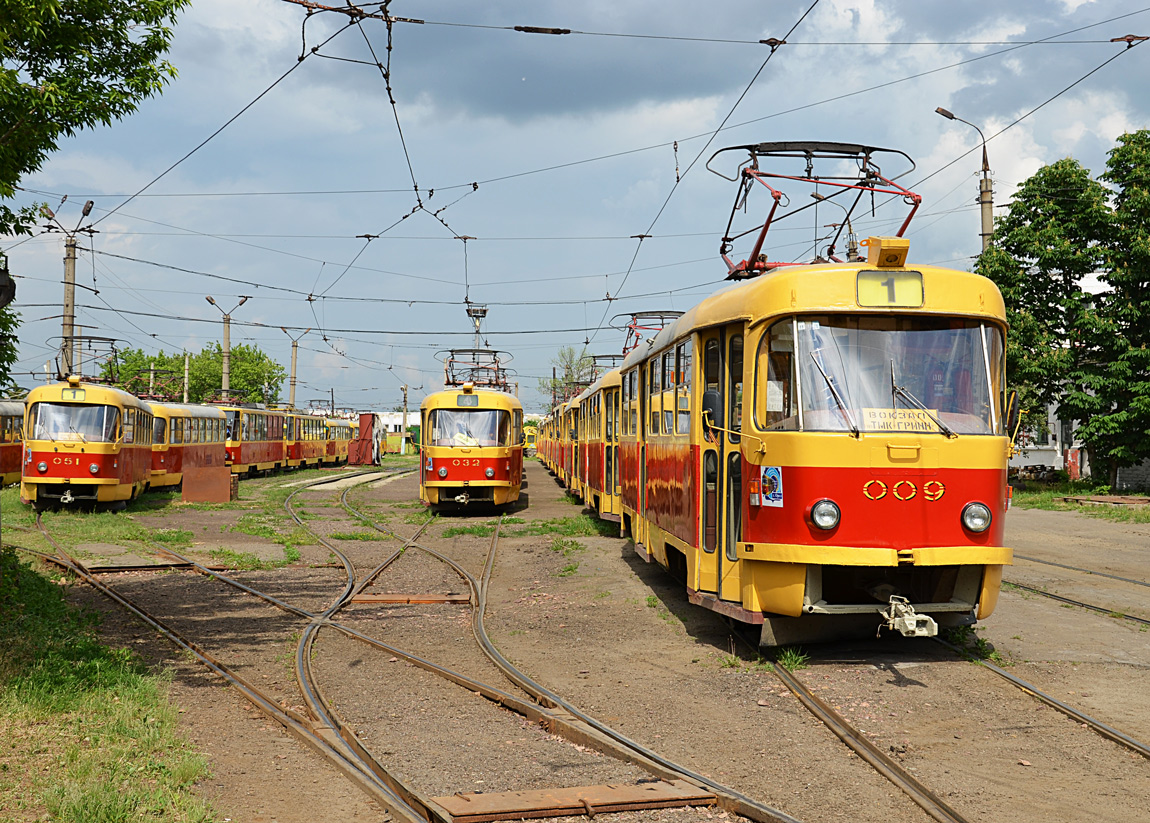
617,638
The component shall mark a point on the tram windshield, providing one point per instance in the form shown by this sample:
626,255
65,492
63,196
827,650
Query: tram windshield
880,374
73,422
480,427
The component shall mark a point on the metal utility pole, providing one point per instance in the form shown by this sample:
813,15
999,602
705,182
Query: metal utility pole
226,387
68,332
294,347
333,402
985,186
403,425
187,363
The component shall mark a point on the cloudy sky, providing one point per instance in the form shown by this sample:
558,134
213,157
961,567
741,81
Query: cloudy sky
548,152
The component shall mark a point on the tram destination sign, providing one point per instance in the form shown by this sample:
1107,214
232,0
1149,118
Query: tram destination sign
884,288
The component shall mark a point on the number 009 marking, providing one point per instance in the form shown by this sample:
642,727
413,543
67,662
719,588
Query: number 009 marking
903,490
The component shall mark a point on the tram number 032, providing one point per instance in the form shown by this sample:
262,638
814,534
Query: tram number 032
465,461
903,490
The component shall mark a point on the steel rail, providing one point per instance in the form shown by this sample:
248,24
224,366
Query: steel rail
1103,729
927,800
298,725
1079,569
587,730
344,738
1079,603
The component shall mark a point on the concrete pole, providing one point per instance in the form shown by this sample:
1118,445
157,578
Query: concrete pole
403,426
186,364
78,363
986,201
152,379
227,383
68,332
291,384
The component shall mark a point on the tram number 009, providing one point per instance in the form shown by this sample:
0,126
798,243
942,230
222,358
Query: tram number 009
465,461
903,490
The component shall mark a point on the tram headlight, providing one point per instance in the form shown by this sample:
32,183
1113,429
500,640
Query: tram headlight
94,468
490,473
976,517
825,514
443,472
42,466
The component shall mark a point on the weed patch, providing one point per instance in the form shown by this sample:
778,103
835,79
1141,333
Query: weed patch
792,658
356,536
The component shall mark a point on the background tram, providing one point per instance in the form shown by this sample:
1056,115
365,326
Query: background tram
185,436
85,444
821,449
11,440
255,438
471,448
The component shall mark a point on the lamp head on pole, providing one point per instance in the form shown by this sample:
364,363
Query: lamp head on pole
210,300
948,115
243,299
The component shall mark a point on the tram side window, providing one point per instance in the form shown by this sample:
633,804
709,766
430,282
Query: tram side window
735,395
683,388
609,432
129,425
633,423
775,379
653,374
668,395
158,425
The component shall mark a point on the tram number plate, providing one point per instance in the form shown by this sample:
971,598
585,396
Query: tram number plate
75,395
890,288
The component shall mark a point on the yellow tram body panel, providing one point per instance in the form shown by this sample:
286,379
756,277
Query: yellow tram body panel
471,447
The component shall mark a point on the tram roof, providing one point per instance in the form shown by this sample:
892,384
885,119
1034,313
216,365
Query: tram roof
190,410
94,393
826,288
608,380
493,399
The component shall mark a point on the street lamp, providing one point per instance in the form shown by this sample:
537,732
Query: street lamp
227,340
985,190
852,240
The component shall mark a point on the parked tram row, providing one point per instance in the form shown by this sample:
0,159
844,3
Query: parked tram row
74,443
821,449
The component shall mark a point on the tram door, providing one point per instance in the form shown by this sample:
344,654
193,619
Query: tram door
722,471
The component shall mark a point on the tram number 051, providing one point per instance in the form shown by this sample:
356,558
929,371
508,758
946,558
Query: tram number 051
465,461
903,490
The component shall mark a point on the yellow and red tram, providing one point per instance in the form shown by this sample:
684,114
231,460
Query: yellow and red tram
471,448
820,449
85,444
11,440
185,436
255,438
338,433
598,448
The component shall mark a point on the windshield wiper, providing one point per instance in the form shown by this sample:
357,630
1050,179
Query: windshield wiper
835,395
82,438
903,392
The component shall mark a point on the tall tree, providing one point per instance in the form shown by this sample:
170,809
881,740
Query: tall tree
9,321
574,370
1041,251
1110,392
68,65
254,377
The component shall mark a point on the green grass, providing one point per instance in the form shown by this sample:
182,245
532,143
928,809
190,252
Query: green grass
174,538
568,570
356,536
87,732
967,640
570,498
474,529
791,658
582,525
565,546
1049,498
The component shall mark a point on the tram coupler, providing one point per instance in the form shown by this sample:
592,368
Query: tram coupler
464,498
66,497
901,617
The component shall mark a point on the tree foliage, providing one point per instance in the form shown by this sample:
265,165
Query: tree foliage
254,377
574,370
9,321
69,65
1087,352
